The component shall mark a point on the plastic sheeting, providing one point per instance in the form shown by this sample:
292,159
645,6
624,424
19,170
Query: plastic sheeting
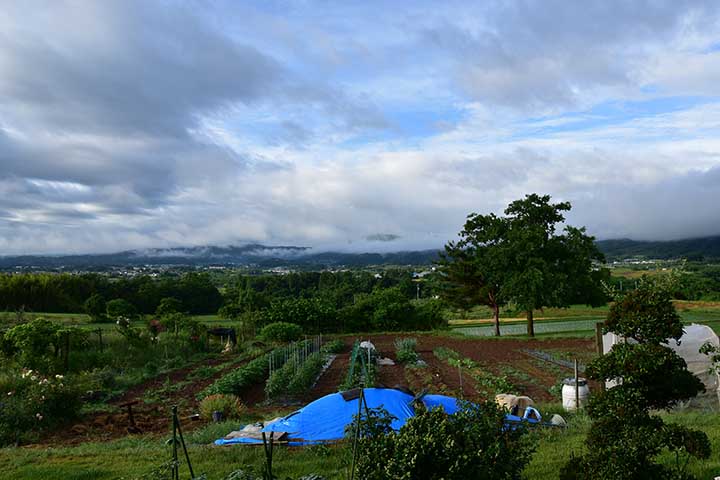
694,337
325,419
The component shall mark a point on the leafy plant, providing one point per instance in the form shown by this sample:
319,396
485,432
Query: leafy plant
281,332
625,438
473,443
31,402
229,405
405,350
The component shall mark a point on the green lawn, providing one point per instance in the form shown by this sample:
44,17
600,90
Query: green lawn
576,321
134,457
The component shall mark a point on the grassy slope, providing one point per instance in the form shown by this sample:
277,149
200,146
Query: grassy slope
134,457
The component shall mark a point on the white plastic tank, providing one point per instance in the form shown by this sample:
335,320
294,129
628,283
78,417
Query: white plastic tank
568,394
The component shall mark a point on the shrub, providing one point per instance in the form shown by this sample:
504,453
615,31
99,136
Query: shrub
405,350
281,332
473,443
31,402
292,379
625,438
229,405
120,308
333,346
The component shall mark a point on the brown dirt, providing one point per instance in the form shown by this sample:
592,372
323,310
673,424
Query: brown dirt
332,377
437,377
152,417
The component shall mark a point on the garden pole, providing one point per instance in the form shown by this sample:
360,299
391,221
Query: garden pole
599,338
462,390
357,434
182,441
577,388
175,466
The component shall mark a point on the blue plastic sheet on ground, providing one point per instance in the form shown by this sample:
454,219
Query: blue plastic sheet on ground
325,419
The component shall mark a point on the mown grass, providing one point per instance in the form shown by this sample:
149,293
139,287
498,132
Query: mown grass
134,457
706,313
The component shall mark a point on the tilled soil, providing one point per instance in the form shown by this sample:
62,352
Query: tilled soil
499,356
152,416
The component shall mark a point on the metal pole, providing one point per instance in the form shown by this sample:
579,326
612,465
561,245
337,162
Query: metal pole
577,388
175,467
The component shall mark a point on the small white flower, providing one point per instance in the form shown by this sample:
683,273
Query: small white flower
33,378
38,416
59,377
10,393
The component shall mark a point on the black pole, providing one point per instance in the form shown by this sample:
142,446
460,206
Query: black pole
182,441
175,466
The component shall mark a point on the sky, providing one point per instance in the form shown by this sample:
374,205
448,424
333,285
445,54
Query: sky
357,126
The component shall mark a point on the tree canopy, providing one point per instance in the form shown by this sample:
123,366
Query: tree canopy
520,258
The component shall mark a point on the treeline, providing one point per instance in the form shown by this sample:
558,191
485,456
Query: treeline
335,301
67,293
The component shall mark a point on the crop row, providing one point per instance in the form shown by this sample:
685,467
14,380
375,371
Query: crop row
250,374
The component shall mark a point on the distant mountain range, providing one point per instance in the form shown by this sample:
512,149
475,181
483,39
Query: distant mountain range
247,255
292,256
690,248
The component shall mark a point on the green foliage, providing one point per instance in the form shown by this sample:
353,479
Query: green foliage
333,346
314,315
519,258
57,293
486,383
473,443
281,332
251,373
625,438
405,350
31,402
120,308
96,308
295,377
229,405
37,344
168,306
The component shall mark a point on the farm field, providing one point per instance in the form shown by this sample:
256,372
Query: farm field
576,321
99,446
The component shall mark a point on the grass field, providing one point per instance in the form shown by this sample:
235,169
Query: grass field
134,457
576,321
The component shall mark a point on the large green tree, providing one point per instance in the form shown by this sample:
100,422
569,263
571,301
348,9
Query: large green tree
474,269
547,269
520,258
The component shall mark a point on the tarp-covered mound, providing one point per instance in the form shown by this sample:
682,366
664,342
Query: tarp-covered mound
325,419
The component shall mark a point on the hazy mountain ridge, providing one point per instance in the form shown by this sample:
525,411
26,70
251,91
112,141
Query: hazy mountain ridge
252,254
289,255
690,248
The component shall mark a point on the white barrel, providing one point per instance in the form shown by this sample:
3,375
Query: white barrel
568,393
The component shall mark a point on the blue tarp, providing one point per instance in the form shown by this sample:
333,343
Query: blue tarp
325,419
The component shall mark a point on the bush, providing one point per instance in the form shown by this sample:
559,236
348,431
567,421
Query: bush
229,405
333,346
473,443
31,402
625,438
281,332
405,350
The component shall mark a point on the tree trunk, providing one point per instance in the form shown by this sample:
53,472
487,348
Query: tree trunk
530,324
496,314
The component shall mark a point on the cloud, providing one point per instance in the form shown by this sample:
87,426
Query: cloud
134,124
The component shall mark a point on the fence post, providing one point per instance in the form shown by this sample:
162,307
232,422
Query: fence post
599,338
